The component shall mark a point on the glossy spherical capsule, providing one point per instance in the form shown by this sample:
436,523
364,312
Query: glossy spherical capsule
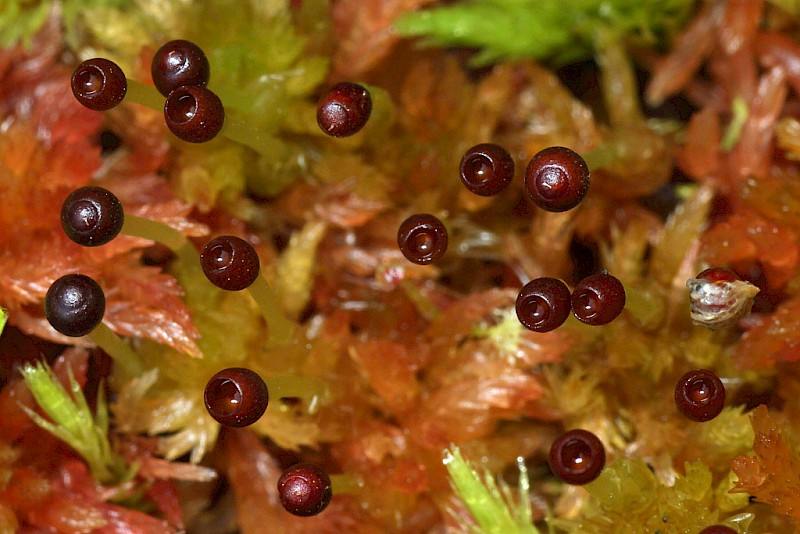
74,305
487,169
718,529
230,262
178,63
305,489
344,109
92,216
543,304
557,179
577,457
99,84
422,238
598,299
700,395
718,274
194,114
236,397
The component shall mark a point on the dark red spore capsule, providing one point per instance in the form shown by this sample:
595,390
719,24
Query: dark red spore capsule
230,262
487,169
305,489
344,109
718,529
718,274
236,397
178,63
700,395
194,114
74,305
577,457
422,238
99,84
598,299
557,179
92,216
543,304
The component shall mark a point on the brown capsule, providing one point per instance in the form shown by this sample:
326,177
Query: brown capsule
700,395
178,63
230,263
344,109
487,169
718,529
577,457
543,304
92,216
99,84
74,305
598,299
422,238
305,489
557,179
194,114
236,397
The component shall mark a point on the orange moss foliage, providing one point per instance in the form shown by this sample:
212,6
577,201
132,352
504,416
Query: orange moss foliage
772,472
771,338
745,239
43,485
364,34
47,149
754,227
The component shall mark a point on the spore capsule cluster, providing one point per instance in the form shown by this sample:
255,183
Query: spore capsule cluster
93,216
180,71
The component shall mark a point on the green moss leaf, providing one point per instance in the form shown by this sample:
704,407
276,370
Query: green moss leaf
494,509
72,422
628,497
21,19
550,30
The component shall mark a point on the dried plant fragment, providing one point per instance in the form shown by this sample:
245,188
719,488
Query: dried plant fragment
719,304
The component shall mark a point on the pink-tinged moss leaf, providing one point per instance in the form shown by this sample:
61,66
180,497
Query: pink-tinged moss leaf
692,47
700,156
46,151
147,303
391,369
771,473
745,238
364,32
771,338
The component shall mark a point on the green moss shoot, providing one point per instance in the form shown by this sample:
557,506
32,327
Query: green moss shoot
492,507
550,30
72,421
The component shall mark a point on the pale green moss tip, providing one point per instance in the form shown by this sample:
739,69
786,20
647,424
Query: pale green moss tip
492,506
72,422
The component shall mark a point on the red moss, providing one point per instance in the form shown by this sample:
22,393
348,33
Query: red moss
746,238
772,474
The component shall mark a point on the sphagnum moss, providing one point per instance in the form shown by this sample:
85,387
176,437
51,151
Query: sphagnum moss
375,364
